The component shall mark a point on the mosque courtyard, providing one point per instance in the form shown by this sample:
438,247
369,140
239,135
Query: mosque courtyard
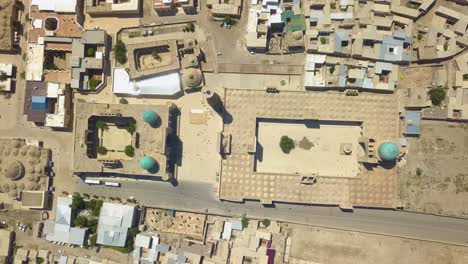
318,147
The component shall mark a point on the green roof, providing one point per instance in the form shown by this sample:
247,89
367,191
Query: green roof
296,22
388,151
147,163
150,117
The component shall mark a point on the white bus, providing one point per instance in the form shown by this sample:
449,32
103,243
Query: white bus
112,184
95,182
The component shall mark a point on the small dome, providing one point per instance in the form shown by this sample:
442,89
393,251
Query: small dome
147,163
15,171
192,77
388,151
297,35
150,117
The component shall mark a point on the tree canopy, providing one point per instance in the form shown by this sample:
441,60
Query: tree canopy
120,52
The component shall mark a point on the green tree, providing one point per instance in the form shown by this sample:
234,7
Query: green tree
446,47
286,144
333,5
102,125
39,260
131,128
93,239
77,202
437,95
95,206
93,83
332,69
80,221
245,222
101,150
323,40
229,21
266,222
91,52
129,151
123,101
92,225
3,76
120,52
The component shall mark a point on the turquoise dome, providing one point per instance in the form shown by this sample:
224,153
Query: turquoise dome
388,151
150,117
147,163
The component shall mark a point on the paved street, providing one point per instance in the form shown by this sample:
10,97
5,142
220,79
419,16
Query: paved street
196,196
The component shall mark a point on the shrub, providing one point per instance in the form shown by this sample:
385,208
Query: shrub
229,21
323,40
23,75
93,83
420,36
266,222
333,5
123,101
101,125
92,240
419,171
101,150
120,52
129,151
39,260
445,47
286,144
332,69
437,95
95,206
131,128
91,52
3,76
156,56
245,222
80,221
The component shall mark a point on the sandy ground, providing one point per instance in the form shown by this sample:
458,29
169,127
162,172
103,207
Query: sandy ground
435,179
414,85
323,245
323,158
255,81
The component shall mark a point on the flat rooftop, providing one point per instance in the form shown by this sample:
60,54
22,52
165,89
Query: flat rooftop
142,64
378,114
318,147
151,139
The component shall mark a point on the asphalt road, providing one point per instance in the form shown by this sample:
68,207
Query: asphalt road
195,196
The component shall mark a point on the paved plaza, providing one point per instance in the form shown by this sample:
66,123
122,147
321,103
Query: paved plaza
318,148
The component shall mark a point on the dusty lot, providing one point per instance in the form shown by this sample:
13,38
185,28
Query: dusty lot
435,179
414,84
322,245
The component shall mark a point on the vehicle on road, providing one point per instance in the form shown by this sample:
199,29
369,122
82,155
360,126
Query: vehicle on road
112,184
95,182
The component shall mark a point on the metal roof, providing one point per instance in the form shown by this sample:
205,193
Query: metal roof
114,222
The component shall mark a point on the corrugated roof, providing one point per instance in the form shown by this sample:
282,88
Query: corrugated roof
413,123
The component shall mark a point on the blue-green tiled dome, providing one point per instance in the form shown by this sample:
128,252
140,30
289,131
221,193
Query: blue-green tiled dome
150,117
388,151
147,163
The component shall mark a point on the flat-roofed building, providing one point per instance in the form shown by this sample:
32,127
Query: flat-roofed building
112,7
47,104
9,24
6,246
162,6
221,8
114,222
61,229
34,199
